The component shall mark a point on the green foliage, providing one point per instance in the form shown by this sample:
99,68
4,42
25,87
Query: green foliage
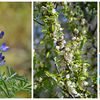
11,83
61,62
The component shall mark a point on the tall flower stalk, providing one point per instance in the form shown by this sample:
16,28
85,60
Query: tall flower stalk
10,82
3,48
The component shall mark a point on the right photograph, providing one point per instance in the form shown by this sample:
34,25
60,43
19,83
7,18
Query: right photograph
65,50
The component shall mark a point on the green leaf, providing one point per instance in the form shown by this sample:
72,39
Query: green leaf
53,28
53,76
47,55
42,42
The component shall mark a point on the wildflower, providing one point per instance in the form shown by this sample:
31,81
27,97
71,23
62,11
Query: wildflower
67,49
1,57
83,21
4,47
76,66
85,83
2,61
61,29
68,57
67,76
53,11
69,83
57,47
77,95
84,31
76,30
74,91
1,34
74,38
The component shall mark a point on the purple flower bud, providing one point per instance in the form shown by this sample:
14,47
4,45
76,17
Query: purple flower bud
4,47
2,63
1,34
1,57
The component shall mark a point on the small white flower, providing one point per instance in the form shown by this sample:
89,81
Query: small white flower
84,31
62,37
71,19
68,83
67,49
68,57
76,66
64,42
73,84
85,64
71,55
40,79
83,21
55,39
74,38
57,47
76,30
67,76
53,11
74,91
77,95
72,13
62,45
35,86
61,29
58,25
85,70
85,83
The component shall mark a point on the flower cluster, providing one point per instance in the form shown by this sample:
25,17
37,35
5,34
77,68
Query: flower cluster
3,48
68,51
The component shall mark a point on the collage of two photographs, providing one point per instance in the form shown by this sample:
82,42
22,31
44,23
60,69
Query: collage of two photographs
49,50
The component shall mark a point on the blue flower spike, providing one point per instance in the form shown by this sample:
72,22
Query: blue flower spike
1,34
4,47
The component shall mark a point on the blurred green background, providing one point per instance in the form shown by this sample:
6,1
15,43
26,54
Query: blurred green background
15,21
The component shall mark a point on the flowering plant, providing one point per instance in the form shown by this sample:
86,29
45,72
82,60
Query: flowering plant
3,48
65,65
10,82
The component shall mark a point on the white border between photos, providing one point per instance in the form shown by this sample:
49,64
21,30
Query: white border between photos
98,50
32,48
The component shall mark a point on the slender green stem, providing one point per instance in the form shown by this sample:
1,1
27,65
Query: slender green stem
6,88
4,91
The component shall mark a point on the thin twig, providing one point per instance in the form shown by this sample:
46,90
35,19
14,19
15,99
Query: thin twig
38,22
57,69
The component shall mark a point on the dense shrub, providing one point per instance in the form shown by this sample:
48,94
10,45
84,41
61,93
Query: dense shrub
65,49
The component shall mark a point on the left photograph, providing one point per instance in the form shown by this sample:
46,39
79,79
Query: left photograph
15,49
